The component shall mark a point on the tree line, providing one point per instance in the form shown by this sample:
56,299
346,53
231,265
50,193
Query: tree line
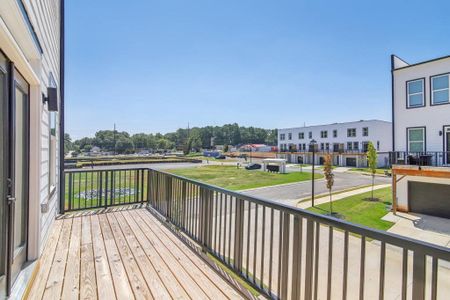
195,138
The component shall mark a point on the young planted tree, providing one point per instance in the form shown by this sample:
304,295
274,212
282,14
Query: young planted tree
329,177
372,158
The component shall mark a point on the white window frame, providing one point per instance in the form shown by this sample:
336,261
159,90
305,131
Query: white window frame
351,130
52,134
282,136
301,135
335,133
289,136
408,142
408,95
310,135
446,89
324,134
365,131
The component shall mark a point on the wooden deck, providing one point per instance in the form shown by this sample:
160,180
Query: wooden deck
123,254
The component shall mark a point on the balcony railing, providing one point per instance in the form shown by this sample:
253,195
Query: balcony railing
286,252
427,158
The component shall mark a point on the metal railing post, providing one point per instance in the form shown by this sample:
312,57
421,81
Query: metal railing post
418,284
239,234
285,256
309,252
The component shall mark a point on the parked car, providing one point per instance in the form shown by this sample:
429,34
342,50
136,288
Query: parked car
220,156
253,166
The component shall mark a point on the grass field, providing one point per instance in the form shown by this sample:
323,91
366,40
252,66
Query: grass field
231,178
367,170
357,210
89,189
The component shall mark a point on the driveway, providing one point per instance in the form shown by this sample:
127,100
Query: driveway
293,192
422,227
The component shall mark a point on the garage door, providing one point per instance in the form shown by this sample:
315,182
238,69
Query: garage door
429,198
350,162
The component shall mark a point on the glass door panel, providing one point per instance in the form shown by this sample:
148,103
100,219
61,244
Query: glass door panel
19,174
3,173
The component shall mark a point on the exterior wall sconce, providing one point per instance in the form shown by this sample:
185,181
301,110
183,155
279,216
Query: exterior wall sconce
440,132
51,99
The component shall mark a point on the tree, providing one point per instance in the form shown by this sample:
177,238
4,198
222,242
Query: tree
225,148
329,177
68,145
124,145
372,158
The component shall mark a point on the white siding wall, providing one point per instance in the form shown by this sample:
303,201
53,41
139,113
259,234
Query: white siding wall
19,45
431,117
45,18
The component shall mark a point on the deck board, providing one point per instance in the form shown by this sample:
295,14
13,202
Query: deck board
123,254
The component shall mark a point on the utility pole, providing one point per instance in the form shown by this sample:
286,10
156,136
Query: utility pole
114,135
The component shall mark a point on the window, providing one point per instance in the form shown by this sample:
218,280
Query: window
310,134
335,133
322,146
327,146
365,146
416,139
415,94
301,135
355,145
282,136
378,145
289,136
349,146
52,151
365,131
440,89
351,132
324,134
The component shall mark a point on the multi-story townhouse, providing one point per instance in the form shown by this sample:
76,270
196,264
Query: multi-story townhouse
421,135
31,88
347,142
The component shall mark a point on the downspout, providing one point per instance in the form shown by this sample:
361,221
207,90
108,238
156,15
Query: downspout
61,112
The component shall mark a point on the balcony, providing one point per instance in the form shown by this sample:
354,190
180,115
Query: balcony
425,159
168,245
124,253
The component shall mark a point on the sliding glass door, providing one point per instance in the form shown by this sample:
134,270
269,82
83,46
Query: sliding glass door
14,156
19,209
3,171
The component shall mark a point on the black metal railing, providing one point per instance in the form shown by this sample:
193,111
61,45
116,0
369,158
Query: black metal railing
88,189
427,158
283,251
290,253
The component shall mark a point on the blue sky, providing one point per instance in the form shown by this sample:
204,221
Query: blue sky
154,66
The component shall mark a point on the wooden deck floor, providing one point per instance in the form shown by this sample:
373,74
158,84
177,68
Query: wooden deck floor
124,254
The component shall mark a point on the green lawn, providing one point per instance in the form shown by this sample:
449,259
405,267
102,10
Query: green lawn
357,210
367,170
231,178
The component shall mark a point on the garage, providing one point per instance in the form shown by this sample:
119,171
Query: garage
429,198
350,162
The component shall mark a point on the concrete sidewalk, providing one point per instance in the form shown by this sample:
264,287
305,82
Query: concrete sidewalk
326,199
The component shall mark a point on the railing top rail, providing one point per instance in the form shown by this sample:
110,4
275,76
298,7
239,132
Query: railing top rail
390,238
102,169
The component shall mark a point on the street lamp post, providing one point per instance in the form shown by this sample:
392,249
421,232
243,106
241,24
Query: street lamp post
312,147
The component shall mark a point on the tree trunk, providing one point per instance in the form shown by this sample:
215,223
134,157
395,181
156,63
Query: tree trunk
373,183
331,204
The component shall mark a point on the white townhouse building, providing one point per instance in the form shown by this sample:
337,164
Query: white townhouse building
31,110
346,141
421,135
